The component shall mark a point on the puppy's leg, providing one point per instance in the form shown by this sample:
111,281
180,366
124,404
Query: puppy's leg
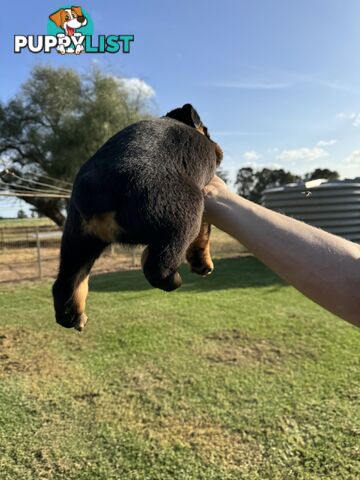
164,254
160,265
198,254
160,262
78,254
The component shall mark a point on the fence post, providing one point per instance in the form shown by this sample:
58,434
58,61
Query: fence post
133,257
38,252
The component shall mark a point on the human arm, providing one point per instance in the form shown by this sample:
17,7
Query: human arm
324,267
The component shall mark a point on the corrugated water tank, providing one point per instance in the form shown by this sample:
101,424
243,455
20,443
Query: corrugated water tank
333,206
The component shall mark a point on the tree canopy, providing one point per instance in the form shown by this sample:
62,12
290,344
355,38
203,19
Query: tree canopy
251,183
57,120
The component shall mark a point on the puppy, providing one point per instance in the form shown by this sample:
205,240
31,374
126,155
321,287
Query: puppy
143,186
69,19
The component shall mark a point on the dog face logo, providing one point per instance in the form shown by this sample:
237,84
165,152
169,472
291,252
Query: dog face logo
69,19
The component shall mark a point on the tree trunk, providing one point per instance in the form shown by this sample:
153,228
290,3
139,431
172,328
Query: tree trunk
55,215
51,208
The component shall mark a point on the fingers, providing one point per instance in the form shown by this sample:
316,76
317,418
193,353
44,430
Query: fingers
215,186
215,192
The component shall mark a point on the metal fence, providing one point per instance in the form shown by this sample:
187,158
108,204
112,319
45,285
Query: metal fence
30,253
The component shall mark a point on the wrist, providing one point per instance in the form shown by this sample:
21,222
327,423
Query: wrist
219,205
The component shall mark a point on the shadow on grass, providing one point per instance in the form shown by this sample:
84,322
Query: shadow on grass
238,272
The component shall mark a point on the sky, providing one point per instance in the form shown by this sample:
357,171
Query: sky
276,82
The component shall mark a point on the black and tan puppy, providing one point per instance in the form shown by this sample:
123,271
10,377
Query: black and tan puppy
144,186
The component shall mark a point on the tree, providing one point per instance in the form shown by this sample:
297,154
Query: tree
251,183
321,173
21,214
55,123
223,174
245,181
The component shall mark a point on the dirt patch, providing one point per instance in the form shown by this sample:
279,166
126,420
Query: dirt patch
233,347
232,334
25,351
88,397
144,405
214,443
147,378
11,338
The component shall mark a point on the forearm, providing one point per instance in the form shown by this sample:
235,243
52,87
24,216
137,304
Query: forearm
322,266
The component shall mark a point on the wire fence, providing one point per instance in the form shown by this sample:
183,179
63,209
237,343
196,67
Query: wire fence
32,253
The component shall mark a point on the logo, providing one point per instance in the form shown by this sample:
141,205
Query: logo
70,31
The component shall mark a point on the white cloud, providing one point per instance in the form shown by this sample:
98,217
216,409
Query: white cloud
136,87
326,143
253,165
260,166
302,154
356,120
273,165
353,158
353,117
251,156
283,80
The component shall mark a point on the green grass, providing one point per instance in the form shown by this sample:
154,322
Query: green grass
235,376
25,222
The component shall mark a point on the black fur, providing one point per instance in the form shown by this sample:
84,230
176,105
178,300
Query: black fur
151,174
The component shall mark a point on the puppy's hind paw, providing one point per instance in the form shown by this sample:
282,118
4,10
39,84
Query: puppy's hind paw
200,264
203,270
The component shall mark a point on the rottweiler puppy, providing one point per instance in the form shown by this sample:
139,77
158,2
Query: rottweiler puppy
143,186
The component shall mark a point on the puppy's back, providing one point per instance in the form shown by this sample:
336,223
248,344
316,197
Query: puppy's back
143,158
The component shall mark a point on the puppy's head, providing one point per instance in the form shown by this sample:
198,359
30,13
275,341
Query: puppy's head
188,115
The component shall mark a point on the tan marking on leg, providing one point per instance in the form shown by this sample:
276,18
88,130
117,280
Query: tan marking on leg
81,289
103,226
144,256
198,254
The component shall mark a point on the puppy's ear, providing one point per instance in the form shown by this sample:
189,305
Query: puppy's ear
78,11
188,115
58,17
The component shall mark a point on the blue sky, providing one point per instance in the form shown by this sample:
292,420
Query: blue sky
276,82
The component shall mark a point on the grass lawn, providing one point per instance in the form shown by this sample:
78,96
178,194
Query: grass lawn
25,222
236,376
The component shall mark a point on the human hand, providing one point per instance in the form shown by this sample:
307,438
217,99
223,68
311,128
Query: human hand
215,188
215,191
